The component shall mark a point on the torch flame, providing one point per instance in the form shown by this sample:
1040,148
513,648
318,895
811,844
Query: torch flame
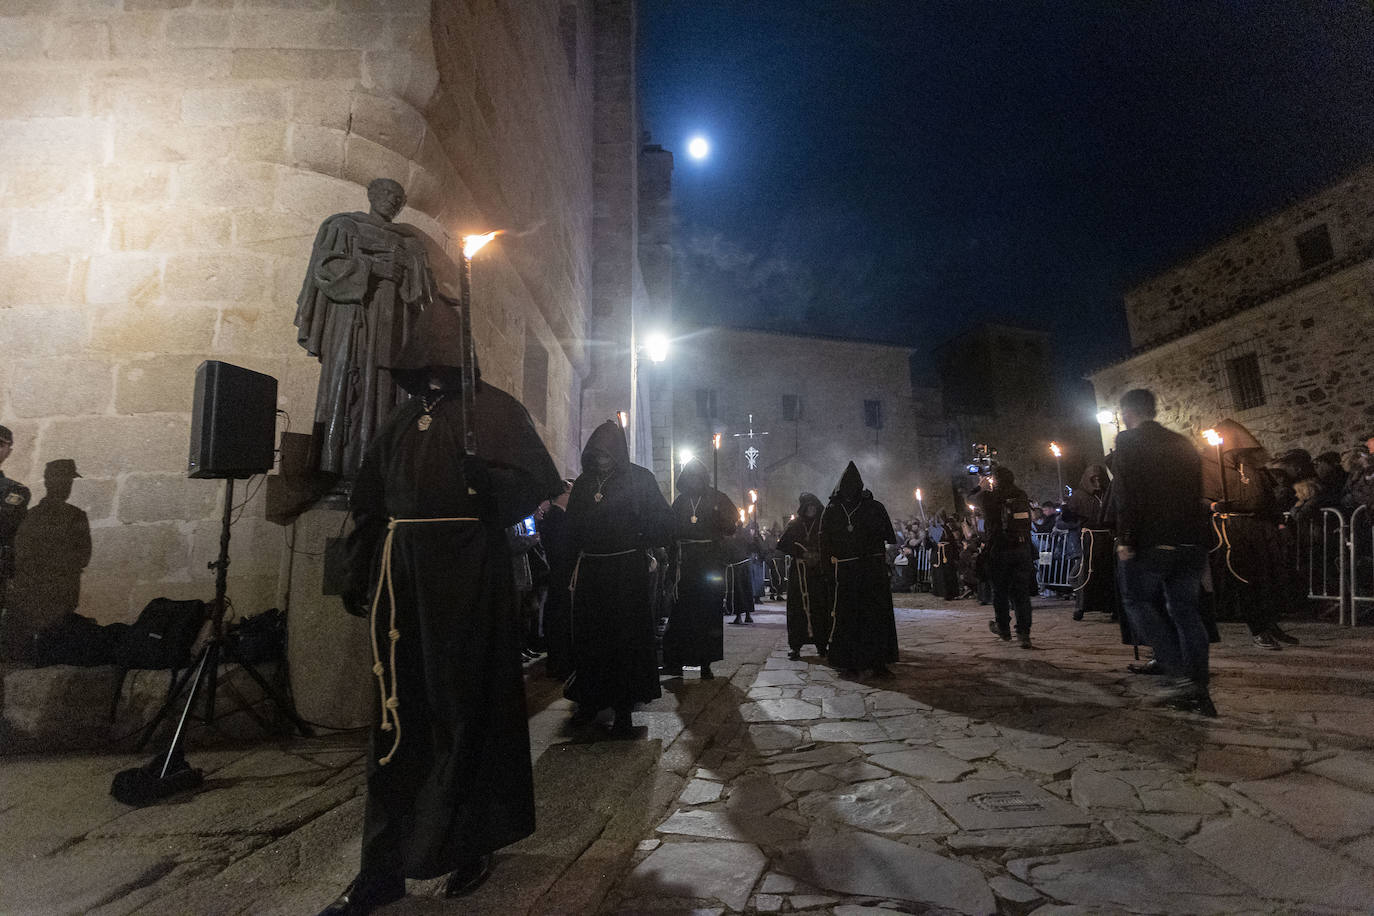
1212,436
741,516
1055,449
918,494
474,243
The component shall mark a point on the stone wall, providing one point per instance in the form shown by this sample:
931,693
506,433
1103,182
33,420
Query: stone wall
1255,264
1315,348
165,166
751,371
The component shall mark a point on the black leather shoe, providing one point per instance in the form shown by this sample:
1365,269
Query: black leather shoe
1199,703
365,894
1150,667
671,670
794,655
707,674
1266,640
1077,615
748,618
468,878
737,622
1004,635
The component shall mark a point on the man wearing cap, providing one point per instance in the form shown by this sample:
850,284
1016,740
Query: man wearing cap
14,504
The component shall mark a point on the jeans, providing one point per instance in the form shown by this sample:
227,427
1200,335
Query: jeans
1160,587
1012,571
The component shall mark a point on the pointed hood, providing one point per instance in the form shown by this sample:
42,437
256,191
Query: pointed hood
808,499
693,477
851,485
1236,438
607,439
434,347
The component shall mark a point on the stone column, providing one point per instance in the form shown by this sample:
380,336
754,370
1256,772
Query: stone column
327,649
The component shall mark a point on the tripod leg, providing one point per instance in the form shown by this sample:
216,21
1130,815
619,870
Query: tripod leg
213,676
286,707
172,695
174,747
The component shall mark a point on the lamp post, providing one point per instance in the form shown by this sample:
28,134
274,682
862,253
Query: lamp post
715,461
1058,465
1215,439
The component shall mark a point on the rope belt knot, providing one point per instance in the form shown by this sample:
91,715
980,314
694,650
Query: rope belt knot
391,704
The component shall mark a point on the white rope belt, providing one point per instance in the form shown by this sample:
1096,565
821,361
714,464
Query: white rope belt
1224,541
572,581
391,705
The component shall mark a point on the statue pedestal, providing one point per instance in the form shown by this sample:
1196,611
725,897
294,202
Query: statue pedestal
328,650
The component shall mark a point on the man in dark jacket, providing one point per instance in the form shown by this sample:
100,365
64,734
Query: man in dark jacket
448,774
1162,530
1011,553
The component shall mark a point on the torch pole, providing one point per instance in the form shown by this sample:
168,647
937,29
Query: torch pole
1221,466
469,367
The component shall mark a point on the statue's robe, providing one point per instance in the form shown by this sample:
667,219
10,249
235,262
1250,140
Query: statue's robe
615,659
460,782
696,629
355,323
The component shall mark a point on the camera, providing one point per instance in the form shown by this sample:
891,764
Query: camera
983,460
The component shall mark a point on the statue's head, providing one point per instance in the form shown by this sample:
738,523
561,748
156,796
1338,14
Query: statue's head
386,196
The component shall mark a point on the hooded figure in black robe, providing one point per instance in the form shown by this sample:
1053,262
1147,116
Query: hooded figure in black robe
810,587
616,516
448,773
855,530
703,518
1087,510
739,579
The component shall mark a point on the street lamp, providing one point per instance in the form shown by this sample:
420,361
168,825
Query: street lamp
715,461
1105,417
1214,439
1058,466
685,455
656,347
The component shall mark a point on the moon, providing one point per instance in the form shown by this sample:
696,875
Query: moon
698,148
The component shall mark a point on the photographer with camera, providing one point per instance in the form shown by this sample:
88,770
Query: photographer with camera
1011,555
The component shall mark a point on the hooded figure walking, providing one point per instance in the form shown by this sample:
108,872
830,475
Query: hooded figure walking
616,516
448,771
809,587
703,518
855,532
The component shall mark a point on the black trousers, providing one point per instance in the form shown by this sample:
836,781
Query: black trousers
1012,571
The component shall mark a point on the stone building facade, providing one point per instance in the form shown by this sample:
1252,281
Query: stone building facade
812,404
1273,327
1000,386
163,169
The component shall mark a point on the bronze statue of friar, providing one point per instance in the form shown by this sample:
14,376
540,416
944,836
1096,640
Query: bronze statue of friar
368,282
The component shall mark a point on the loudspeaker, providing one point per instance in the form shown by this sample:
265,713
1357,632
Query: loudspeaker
233,422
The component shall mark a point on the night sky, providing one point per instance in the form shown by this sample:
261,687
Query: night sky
899,170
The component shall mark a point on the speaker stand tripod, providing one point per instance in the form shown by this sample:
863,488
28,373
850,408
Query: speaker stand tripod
204,675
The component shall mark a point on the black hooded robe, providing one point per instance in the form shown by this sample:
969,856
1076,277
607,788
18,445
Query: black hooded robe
459,782
739,579
1095,578
855,530
809,593
702,523
615,657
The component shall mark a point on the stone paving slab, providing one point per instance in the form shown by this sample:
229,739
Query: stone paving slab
847,794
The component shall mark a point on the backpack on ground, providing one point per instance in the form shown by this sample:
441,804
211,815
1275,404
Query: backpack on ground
163,634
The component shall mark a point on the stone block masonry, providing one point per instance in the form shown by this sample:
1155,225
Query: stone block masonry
165,166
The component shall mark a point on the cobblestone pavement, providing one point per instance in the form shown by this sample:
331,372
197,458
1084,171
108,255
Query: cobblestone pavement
982,778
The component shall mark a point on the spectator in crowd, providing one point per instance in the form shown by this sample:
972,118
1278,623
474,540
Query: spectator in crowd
14,504
1046,517
1250,569
809,591
1162,529
616,515
854,531
703,518
1006,513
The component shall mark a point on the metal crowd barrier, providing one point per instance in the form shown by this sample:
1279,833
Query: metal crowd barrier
1060,556
1336,555
920,565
